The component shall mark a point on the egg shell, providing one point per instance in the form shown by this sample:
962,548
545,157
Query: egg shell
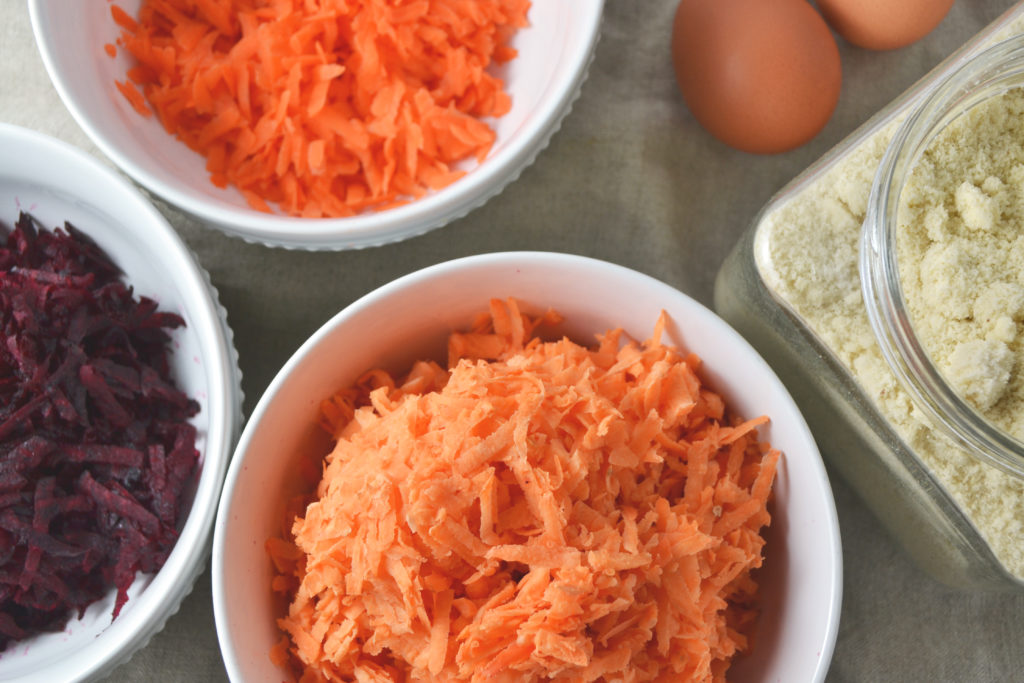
884,24
760,75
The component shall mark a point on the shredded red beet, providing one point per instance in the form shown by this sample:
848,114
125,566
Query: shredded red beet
95,444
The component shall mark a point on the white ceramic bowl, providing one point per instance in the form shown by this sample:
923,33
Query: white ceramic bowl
410,319
56,182
554,53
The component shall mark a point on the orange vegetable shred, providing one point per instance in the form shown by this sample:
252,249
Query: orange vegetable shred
539,511
324,108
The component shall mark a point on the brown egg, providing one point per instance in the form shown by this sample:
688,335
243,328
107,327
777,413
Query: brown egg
883,24
760,75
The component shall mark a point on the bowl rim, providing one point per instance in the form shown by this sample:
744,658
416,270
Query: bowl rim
166,589
826,643
434,210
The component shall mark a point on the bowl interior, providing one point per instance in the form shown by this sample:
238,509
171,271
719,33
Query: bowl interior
553,53
409,319
56,184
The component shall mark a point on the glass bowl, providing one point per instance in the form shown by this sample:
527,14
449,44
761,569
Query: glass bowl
987,75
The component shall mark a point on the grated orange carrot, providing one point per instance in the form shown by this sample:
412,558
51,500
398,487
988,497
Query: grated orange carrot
132,94
539,511
324,107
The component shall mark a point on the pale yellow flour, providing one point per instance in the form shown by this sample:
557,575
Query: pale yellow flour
961,256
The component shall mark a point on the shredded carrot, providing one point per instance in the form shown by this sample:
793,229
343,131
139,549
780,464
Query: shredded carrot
539,511
325,108
133,95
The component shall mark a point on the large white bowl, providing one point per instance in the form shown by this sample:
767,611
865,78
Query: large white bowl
410,319
55,183
554,53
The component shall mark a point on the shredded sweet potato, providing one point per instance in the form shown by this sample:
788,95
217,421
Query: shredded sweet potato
540,511
323,107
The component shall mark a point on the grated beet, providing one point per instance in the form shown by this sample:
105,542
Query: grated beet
95,444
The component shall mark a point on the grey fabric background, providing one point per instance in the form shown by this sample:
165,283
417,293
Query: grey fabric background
630,178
